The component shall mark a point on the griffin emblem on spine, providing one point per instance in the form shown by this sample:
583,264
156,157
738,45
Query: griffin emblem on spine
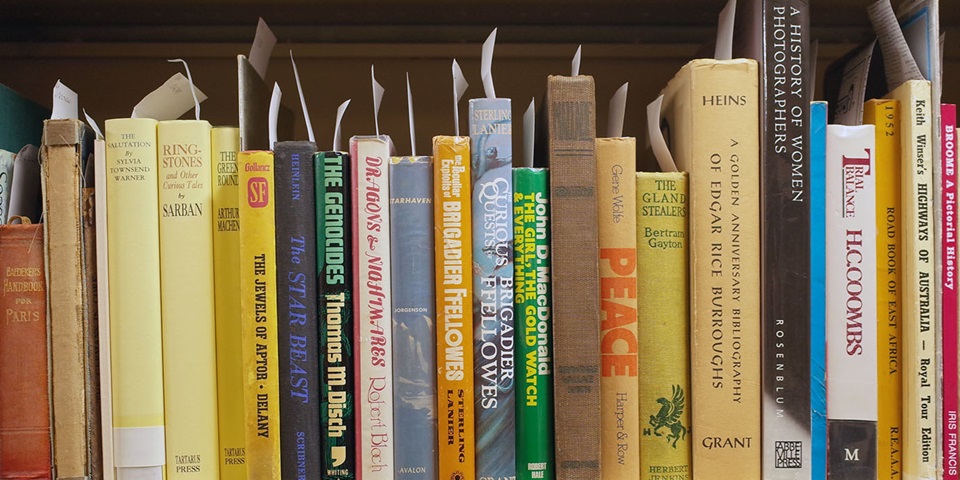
669,417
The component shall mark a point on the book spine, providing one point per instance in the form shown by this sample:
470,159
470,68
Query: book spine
920,395
851,302
258,310
414,317
335,274
7,160
664,323
186,299
948,259
24,400
454,264
25,188
785,233
297,324
571,127
491,182
885,116
91,330
136,353
818,336
103,310
531,237
617,237
224,146
373,304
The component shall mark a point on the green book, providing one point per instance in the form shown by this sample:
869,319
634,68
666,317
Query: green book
21,120
534,348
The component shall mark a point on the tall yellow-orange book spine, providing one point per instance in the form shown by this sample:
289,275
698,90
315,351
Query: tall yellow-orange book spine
258,313
224,146
187,299
885,115
918,317
136,354
455,412
617,235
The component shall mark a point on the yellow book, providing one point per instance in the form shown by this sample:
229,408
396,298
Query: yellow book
136,355
918,326
455,412
224,145
258,313
885,115
711,112
186,299
664,326
617,234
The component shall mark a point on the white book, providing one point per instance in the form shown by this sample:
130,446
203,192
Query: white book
851,302
6,181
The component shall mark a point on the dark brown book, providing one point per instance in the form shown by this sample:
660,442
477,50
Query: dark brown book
24,400
255,108
571,143
67,145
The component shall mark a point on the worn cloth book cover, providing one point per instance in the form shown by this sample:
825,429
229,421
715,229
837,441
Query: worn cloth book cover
534,347
25,200
297,323
664,324
414,317
571,151
491,153
454,266
818,265
103,308
66,147
258,310
884,114
948,259
21,120
918,328
136,354
187,299
24,401
333,183
224,146
712,116
851,302
373,305
619,345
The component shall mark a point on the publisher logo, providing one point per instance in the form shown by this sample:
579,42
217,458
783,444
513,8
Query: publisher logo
789,454
258,192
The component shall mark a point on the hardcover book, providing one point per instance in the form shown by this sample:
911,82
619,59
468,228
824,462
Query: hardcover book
851,302
333,183
885,116
21,120
103,310
491,180
24,400
136,354
187,299
414,317
534,348
454,259
7,161
25,198
373,305
818,265
297,323
948,259
254,102
664,323
712,116
258,310
571,151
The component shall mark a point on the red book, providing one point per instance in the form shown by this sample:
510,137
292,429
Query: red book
24,401
948,251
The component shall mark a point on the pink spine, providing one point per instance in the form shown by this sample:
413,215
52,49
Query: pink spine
948,115
357,326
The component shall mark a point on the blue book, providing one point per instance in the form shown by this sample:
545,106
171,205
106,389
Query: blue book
493,327
414,318
818,355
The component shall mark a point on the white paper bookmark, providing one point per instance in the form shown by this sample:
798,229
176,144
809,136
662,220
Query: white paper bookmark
342,109
575,64
724,47
193,88
657,142
93,124
486,65
377,98
618,110
274,113
413,134
303,102
459,87
65,102
529,135
262,48
172,99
